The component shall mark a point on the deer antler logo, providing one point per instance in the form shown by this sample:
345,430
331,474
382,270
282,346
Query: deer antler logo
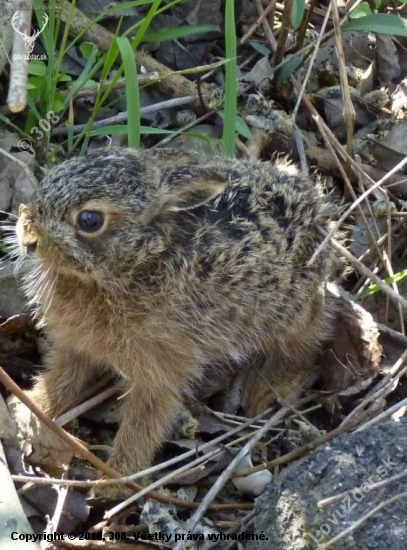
28,40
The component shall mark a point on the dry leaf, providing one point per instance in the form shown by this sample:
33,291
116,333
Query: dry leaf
40,445
7,424
354,352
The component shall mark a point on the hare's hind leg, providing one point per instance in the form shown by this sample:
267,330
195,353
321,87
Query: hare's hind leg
277,375
291,355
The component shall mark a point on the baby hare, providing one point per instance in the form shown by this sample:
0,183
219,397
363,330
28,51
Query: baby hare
155,264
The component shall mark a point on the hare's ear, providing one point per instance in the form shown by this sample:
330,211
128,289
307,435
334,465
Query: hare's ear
191,187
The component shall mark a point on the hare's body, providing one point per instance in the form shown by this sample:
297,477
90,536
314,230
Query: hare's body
193,264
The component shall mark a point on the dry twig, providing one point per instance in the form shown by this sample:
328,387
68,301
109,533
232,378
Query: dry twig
83,452
17,95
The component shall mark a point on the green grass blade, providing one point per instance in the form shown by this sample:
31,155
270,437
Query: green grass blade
131,30
259,47
112,130
119,7
201,68
19,131
145,25
88,71
132,91
33,107
178,32
240,125
297,13
383,23
127,5
362,10
122,129
396,278
230,108
289,68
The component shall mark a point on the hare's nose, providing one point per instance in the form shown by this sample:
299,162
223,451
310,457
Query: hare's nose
24,212
27,230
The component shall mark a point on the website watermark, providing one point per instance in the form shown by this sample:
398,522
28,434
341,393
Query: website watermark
29,41
38,132
351,500
13,7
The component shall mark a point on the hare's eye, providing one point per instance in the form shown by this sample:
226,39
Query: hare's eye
90,221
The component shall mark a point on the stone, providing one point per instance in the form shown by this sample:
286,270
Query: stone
287,512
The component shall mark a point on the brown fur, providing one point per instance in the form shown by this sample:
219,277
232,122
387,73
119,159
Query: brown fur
198,262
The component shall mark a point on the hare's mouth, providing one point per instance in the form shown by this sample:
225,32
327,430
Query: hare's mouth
60,265
43,278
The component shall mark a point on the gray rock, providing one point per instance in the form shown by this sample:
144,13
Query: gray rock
11,298
180,58
24,184
200,12
16,183
287,512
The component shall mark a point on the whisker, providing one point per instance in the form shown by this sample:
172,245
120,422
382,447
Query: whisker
10,238
43,284
48,299
11,243
18,263
42,287
8,257
5,226
8,214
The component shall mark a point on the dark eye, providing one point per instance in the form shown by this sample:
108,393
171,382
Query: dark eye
90,221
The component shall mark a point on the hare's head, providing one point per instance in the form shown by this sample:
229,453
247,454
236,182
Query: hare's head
105,216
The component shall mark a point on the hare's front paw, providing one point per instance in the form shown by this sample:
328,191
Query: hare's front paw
185,424
117,491
43,400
